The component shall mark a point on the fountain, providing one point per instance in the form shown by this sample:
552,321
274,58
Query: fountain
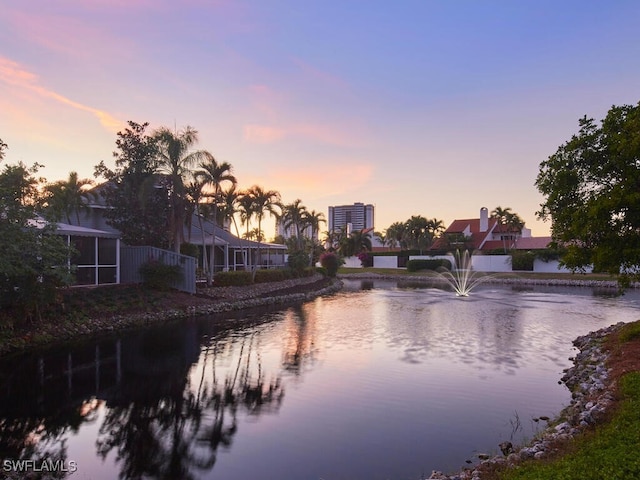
462,278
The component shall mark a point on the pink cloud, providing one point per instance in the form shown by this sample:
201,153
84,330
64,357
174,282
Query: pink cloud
13,74
318,182
327,134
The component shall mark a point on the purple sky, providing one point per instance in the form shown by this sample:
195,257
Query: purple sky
432,108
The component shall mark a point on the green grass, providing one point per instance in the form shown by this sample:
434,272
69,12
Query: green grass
610,452
532,275
630,331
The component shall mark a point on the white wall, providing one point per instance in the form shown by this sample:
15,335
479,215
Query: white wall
552,266
491,263
352,262
385,262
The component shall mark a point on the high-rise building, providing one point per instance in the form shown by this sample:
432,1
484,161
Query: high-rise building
353,217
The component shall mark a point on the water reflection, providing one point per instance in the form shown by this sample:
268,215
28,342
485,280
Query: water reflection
405,377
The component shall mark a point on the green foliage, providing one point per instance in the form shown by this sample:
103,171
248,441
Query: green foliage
591,193
330,262
189,249
322,271
138,202
273,275
298,261
159,276
630,331
522,261
34,261
237,278
609,452
435,264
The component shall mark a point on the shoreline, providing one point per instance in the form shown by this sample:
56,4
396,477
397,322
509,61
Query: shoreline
227,299
592,395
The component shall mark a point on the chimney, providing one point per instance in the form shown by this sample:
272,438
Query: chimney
484,219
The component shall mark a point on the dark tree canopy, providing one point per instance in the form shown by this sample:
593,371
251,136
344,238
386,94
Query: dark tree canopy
137,208
33,261
592,193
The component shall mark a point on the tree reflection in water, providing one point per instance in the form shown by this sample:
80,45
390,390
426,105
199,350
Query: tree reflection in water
173,428
169,405
300,346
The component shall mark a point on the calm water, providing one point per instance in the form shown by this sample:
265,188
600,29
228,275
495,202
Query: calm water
377,382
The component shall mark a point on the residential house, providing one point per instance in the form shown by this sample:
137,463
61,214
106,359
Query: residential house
487,234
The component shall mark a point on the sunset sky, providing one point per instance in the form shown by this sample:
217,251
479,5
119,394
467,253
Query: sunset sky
424,107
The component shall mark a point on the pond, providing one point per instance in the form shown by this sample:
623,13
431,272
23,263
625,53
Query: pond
380,381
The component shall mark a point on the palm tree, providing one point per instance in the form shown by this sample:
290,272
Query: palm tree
396,234
355,243
175,159
229,206
246,209
212,175
294,216
69,196
264,201
510,221
313,220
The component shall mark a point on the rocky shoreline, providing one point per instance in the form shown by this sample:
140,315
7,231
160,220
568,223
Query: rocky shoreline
592,394
210,301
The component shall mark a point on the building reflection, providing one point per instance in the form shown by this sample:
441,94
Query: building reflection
161,420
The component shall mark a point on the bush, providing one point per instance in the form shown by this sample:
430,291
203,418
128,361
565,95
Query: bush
276,275
159,276
190,250
298,261
522,261
435,264
331,262
322,271
238,278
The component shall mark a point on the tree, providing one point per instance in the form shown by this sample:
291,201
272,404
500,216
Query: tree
229,206
294,217
396,234
174,159
510,224
67,197
592,194
33,260
313,219
212,175
355,243
138,206
3,148
264,202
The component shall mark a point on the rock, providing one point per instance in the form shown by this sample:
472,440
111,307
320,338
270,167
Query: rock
506,448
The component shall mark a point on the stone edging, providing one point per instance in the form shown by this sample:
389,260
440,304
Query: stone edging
592,395
123,322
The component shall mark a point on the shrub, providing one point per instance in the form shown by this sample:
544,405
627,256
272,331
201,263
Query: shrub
298,261
158,275
238,278
331,262
435,264
322,271
522,261
276,275
190,250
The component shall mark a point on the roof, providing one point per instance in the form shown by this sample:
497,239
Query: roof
222,236
533,243
73,230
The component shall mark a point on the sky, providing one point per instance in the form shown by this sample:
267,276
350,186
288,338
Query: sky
425,107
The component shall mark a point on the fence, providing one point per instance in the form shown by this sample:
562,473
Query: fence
131,258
